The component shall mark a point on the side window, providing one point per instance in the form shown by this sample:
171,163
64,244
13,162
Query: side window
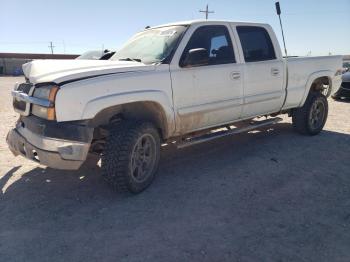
215,40
256,43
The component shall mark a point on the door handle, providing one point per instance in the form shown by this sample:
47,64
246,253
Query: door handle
235,75
275,71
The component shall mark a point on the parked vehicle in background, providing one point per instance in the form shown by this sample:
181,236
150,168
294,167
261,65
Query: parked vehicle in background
96,55
346,65
107,55
344,90
183,83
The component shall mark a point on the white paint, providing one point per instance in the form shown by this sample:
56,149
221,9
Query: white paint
192,98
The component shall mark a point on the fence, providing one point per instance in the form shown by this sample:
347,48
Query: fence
11,63
12,66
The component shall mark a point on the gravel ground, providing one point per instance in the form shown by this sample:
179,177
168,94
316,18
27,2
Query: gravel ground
272,195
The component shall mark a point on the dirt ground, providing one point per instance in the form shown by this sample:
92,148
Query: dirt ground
272,195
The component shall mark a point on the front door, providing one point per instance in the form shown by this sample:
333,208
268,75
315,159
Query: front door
210,94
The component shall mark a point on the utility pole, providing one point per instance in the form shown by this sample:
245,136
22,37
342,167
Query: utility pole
51,46
207,12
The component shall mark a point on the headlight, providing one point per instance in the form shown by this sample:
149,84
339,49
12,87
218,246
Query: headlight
42,92
47,93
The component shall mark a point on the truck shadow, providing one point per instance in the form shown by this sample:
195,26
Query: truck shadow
342,100
267,192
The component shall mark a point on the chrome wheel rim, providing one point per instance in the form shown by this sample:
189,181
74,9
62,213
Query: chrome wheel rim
143,158
317,115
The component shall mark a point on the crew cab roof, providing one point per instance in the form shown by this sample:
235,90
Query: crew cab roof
209,22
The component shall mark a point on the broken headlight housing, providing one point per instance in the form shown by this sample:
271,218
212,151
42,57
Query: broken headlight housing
48,94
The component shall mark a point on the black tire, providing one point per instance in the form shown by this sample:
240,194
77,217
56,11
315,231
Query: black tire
304,118
123,152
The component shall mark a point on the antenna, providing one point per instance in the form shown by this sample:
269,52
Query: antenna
278,10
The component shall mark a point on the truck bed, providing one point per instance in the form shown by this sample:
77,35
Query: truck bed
303,69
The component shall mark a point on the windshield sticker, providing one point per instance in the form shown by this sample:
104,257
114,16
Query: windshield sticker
168,33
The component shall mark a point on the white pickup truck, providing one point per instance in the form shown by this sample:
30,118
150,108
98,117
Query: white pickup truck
181,83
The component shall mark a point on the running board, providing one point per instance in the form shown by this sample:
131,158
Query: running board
211,136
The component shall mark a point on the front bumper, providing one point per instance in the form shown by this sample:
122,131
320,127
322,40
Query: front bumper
56,153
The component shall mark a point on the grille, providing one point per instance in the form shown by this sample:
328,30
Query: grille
20,105
24,87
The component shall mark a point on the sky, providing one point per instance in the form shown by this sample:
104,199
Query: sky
312,27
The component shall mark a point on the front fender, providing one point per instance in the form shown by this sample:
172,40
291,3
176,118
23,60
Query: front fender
93,107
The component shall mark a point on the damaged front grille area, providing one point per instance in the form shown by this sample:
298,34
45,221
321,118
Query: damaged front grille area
21,106
24,87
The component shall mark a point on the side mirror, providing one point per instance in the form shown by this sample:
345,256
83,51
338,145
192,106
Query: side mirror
196,57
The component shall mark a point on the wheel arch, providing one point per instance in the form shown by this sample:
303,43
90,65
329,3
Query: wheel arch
150,106
315,80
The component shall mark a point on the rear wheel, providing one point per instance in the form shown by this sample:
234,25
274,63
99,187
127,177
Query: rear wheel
131,156
311,118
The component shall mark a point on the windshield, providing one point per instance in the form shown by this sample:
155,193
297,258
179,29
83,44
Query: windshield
151,46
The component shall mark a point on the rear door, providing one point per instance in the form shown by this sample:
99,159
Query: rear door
263,72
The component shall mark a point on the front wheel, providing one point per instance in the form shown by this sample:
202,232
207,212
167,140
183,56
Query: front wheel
311,118
131,156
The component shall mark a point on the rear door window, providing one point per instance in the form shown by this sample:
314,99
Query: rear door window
256,43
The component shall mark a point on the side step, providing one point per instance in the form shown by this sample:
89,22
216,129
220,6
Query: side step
214,135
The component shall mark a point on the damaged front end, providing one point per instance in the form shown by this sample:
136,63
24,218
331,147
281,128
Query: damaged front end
39,137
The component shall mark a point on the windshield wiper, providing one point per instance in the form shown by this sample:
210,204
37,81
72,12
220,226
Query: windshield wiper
130,59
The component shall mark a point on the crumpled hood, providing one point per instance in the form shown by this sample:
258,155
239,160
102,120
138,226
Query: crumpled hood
58,71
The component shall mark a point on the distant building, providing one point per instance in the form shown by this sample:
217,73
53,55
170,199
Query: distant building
11,63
